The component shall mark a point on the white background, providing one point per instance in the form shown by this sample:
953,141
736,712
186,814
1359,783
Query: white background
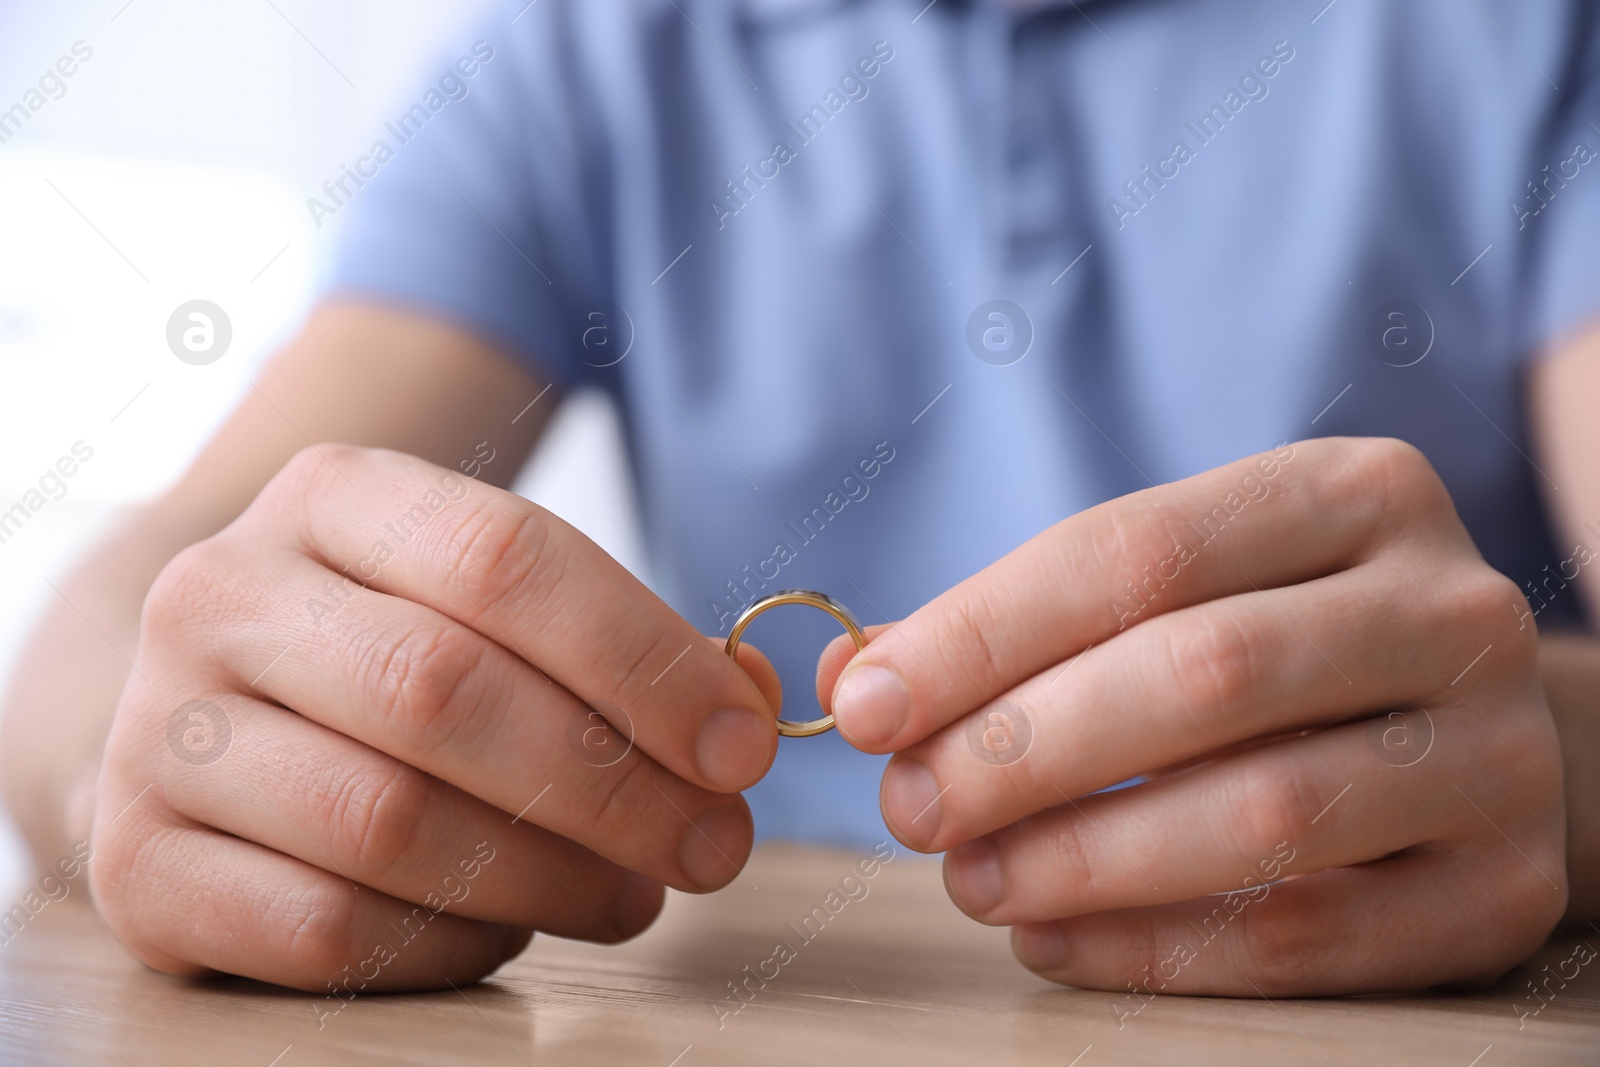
176,166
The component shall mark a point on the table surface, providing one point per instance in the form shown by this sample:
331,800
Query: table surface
897,976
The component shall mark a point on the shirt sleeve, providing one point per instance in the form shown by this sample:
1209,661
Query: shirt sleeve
474,201
1559,211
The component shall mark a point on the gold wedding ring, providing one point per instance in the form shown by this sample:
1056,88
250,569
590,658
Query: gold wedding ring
787,727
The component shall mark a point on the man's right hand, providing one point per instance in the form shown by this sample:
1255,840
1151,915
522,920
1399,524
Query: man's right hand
393,720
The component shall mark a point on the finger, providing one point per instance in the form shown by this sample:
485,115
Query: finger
311,793
835,656
755,663
522,577
1199,680
1410,922
433,694
1289,516
1293,808
183,898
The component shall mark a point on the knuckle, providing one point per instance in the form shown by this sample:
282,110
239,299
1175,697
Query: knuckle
1402,476
1521,800
619,804
313,471
417,678
1281,944
299,470
128,862
1526,763
499,553
1530,907
187,588
318,929
1070,858
1142,953
1515,904
1119,539
376,815
1217,660
1124,542
1487,592
313,464
970,625
634,658
114,874
1398,463
305,471
1483,605
1277,805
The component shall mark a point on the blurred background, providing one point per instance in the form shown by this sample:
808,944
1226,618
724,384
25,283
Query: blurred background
173,165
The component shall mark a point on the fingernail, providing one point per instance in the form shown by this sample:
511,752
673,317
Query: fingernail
713,848
871,704
638,902
1039,946
732,748
972,875
911,801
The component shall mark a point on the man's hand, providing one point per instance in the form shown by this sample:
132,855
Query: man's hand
1354,783
391,720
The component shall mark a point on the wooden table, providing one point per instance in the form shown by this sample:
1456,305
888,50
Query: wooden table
897,976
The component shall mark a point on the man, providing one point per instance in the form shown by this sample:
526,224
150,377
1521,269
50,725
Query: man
995,319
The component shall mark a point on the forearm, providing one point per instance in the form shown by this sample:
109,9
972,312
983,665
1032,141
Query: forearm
65,687
1570,666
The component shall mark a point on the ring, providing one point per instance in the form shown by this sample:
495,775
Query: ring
788,727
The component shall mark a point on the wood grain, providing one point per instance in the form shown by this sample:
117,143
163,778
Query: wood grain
897,976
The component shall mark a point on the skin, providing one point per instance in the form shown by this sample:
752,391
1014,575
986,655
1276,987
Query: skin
402,733
1354,552
1267,687
410,748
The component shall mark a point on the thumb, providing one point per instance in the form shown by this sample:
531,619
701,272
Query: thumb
831,664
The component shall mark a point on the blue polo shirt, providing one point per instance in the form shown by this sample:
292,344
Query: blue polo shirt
884,288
